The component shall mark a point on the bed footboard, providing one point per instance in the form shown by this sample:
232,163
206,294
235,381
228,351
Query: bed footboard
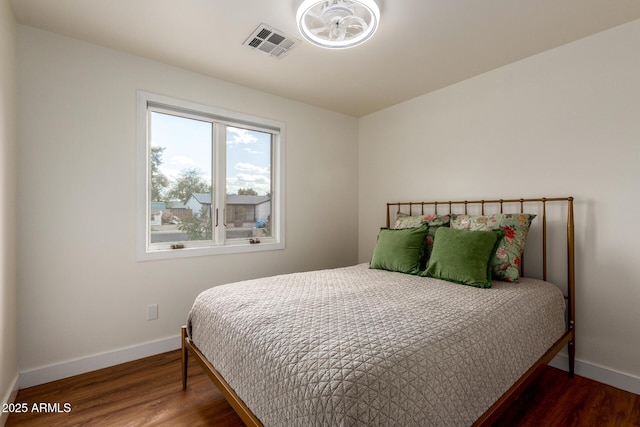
189,348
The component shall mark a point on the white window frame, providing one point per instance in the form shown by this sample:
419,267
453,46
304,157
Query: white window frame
145,250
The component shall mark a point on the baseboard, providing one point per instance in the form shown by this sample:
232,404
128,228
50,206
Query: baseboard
91,363
70,368
598,373
9,397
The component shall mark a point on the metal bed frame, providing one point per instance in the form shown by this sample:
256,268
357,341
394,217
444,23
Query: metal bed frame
447,207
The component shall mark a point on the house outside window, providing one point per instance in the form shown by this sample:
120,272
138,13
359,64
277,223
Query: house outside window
209,181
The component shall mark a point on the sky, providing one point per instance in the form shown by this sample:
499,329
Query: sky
188,145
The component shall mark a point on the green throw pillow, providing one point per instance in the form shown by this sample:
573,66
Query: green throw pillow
433,221
463,256
508,258
399,250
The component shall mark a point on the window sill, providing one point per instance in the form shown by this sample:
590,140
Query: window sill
188,252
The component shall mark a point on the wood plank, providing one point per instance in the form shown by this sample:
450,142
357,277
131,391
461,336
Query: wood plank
555,399
145,392
148,392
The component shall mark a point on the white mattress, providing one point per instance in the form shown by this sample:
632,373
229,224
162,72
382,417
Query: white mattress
361,347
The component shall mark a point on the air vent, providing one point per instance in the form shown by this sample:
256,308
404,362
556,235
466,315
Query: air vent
271,41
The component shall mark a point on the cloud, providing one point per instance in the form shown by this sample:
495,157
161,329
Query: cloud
260,183
261,179
252,168
240,136
171,173
183,160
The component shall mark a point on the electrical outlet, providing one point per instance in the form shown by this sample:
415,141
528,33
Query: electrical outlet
152,312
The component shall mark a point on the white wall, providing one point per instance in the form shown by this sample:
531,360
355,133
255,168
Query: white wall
8,206
82,293
565,122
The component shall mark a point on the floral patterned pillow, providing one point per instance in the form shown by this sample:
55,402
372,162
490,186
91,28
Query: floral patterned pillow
505,265
433,221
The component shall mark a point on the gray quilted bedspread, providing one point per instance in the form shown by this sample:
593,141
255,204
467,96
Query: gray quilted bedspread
361,347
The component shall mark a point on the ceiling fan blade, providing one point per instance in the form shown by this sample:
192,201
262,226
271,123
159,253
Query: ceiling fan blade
318,30
352,21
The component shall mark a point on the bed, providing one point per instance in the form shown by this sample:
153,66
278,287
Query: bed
367,345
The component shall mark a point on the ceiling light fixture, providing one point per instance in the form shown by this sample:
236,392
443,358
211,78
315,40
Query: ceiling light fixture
338,24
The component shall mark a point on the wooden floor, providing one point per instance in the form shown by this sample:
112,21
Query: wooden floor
148,392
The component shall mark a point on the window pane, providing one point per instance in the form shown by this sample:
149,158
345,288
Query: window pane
181,153
248,186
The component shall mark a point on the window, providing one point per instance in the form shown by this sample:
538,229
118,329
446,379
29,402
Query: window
209,180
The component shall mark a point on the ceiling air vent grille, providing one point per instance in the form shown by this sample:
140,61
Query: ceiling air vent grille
271,41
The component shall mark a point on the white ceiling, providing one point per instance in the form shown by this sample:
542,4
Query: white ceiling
421,45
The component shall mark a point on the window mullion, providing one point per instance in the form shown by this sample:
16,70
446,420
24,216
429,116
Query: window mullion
219,167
